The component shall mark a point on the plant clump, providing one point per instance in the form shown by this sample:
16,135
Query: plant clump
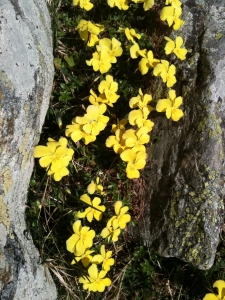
106,112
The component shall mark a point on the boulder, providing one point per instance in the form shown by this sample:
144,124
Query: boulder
183,207
26,77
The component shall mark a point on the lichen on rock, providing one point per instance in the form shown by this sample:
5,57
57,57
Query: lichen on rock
26,76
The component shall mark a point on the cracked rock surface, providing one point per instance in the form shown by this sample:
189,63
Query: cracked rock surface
26,76
185,171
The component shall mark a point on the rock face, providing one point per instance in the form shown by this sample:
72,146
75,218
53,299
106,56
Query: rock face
26,76
186,170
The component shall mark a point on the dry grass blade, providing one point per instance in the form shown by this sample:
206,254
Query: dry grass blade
62,281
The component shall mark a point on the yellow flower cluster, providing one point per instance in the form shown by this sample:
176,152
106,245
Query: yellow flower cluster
93,122
130,143
55,157
116,223
170,106
82,239
161,68
107,89
171,13
94,210
89,32
106,54
107,50
88,126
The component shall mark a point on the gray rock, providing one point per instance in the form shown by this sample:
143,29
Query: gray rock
26,76
185,171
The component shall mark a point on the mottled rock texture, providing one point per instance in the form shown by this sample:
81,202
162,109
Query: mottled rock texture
185,173
26,75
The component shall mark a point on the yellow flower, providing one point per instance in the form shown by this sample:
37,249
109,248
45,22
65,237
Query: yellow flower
121,4
121,215
93,121
111,231
130,34
104,258
135,51
175,47
89,31
55,157
136,139
139,117
80,240
170,106
109,87
147,62
100,61
111,47
88,126
166,72
88,138
120,125
95,281
136,161
141,101
92,40
95,186
76,133
171,14
108,84
220,285
147,3
85,4
94,210
175,3
85,258
96,100
116,141
58,173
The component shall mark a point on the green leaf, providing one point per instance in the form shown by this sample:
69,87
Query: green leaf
69,60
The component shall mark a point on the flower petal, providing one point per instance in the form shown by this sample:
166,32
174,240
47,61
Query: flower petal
86,199
220,285
71,242
163,104
128,155
40,151
93,272
117,207
45,161
77,227
91,187
60,173
211,297
177,114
